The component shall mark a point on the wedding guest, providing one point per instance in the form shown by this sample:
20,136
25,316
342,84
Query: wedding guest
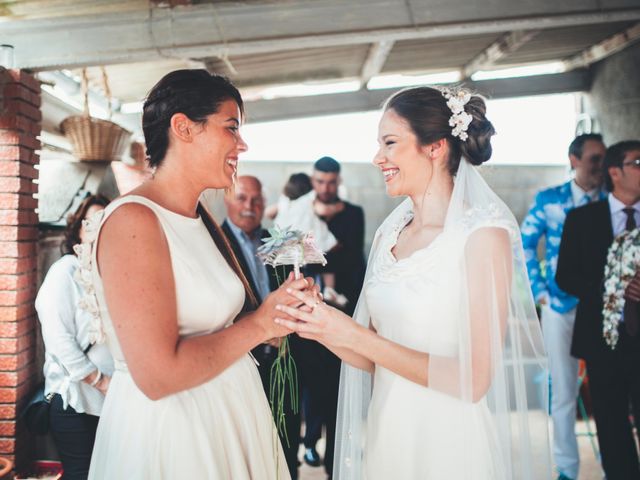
186,399
558,308
297,185
345,261
614,376
438,366
77,371
243,229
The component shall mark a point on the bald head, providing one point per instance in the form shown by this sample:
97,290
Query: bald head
249,181
245,207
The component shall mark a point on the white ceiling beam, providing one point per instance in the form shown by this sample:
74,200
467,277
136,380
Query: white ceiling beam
604,49
377,57
189,32
505,45
366,100
363,100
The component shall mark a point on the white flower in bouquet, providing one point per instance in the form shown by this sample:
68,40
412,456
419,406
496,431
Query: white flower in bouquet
287,247
623,260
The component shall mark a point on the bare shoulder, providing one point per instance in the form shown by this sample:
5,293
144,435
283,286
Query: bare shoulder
131,225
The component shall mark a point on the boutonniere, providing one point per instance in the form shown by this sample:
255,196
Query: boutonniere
623,260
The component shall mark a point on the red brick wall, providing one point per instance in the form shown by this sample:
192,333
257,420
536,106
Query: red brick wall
20,124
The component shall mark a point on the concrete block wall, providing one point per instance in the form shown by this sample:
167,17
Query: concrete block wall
615,95
515,184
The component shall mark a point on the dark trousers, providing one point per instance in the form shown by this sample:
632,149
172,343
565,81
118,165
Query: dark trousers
74,434
265,356
615,387
320,382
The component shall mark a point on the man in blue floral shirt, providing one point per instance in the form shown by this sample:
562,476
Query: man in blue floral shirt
546,219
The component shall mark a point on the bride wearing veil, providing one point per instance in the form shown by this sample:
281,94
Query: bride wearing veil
439,366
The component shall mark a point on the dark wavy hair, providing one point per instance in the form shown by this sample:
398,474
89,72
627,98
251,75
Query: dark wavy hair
297,185
614,158
74,221
426,111
195,93
577,144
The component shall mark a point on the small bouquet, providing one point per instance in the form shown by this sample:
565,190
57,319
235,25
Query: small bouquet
623,260
286,247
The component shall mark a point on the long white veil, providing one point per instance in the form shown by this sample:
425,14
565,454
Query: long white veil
499,357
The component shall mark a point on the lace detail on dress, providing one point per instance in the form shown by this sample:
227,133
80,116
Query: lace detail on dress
492,215
382,263
84,275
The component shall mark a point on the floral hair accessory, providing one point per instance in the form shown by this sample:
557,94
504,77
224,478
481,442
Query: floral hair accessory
459,119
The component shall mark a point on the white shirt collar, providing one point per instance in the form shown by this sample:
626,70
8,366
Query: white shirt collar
617,206
577,193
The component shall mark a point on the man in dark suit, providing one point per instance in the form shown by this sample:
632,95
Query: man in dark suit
321,368
245,209
614,374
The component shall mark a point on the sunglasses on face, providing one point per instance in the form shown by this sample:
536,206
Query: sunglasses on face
635,163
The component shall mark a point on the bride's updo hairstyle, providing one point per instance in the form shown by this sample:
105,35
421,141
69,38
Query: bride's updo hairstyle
427,112
195,93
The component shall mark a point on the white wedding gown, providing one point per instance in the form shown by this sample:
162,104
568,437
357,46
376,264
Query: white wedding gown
219,430
410,429
464,300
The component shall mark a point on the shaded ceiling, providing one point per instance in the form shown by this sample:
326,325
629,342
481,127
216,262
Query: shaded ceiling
261,43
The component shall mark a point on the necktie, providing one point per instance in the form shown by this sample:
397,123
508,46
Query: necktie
584,200
630,307
631,218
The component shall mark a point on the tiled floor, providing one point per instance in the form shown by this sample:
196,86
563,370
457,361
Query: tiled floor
590,467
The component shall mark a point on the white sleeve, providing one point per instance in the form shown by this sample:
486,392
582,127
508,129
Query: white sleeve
56,305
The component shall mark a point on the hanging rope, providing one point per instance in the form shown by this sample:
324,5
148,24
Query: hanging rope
225,52
84,86
107,90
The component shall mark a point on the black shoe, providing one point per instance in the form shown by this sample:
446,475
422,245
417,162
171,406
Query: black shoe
311,457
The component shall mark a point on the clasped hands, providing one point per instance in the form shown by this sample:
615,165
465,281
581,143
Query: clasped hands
298,307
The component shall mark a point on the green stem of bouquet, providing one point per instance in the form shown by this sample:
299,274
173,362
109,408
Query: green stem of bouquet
284,373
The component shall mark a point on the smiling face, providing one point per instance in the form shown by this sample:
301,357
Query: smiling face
402,160
217,144
626,178
245,206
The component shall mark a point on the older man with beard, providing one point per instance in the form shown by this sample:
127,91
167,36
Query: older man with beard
245,210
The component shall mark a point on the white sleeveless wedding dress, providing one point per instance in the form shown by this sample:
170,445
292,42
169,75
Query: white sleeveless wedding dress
222,429
409,430
465,300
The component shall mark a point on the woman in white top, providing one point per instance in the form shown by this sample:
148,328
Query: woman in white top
76,371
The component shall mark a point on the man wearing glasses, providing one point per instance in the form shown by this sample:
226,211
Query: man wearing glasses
558,309
614,374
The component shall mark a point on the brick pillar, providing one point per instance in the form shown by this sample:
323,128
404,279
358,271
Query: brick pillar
20,124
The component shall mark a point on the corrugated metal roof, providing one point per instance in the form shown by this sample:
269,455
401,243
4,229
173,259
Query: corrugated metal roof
562,43
294,65
437,54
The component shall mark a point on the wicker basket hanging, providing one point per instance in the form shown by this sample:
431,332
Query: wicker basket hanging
93,139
